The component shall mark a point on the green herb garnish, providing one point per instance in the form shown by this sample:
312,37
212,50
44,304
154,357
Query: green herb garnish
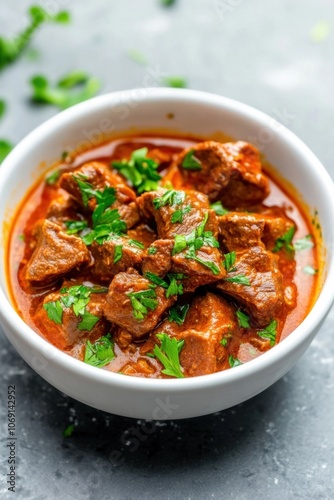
12,48
218,208
168,355
5,149
176,82
190,162
304,243
101,352
224,342
63,94
140,171
240,279
234,361
136,243
53,178
2,108
170,197
229,261
118,253
285,241
68,431
75,226
142,302
178,313
138,57
269,332
177,216
152,251
54,311
170,283
243,319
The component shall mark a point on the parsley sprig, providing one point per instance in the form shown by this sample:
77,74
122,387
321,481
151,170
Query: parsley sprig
178,313
168,354
171,197
218,208
170,283
269,332
101,352
178,215
190,162
139,170
234,361
243,319
285,241
142,302
230,261
76,297
194,242
304,243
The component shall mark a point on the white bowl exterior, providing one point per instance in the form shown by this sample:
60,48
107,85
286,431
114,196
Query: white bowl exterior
196,113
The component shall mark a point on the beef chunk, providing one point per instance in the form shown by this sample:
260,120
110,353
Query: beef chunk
209,318
229,172
119,309
56,253
144,234
104,256
66,334
99,177
263,297
240,230
195,273
198,206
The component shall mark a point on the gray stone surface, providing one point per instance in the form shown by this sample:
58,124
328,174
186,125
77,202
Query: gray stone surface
280,444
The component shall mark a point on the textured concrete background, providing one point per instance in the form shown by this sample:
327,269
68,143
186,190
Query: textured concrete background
280,444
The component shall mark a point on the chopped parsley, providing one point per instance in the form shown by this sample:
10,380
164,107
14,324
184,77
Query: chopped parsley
152,251
142,302
224,342
310,270
285,241
136,243
12,48
304,243
218,208
243,319
269,332
171,197
229,261
167,3
53,178
190,162
68,431
63,94
234,361
239,279
2,108
170,283
118,253
75,226
100,353
140,171
168,355
5,149
76,297
176,82
179,214
194,242
178,313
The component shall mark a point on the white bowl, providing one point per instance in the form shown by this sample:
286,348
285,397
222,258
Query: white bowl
196,113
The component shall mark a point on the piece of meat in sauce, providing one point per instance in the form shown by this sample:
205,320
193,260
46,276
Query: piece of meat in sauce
194,206
195,273
97,175
119,309
208,320
56,253
67,334
263,297
229,172
62,209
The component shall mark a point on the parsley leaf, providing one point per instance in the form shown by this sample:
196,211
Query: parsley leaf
152,251
140,171
62,94
5,149
243,319
285,241
310,270
2,108
224,342
240,279
142,302
178,313
171,285
180,243
190,162
167,3
170,197
168,355
118,253
234,361
88,321
218,208
100,353
176,82
68,431
75,226
11,49
229,261
304,243
53,178
269,332
136,243
178,215
54,311
86,189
